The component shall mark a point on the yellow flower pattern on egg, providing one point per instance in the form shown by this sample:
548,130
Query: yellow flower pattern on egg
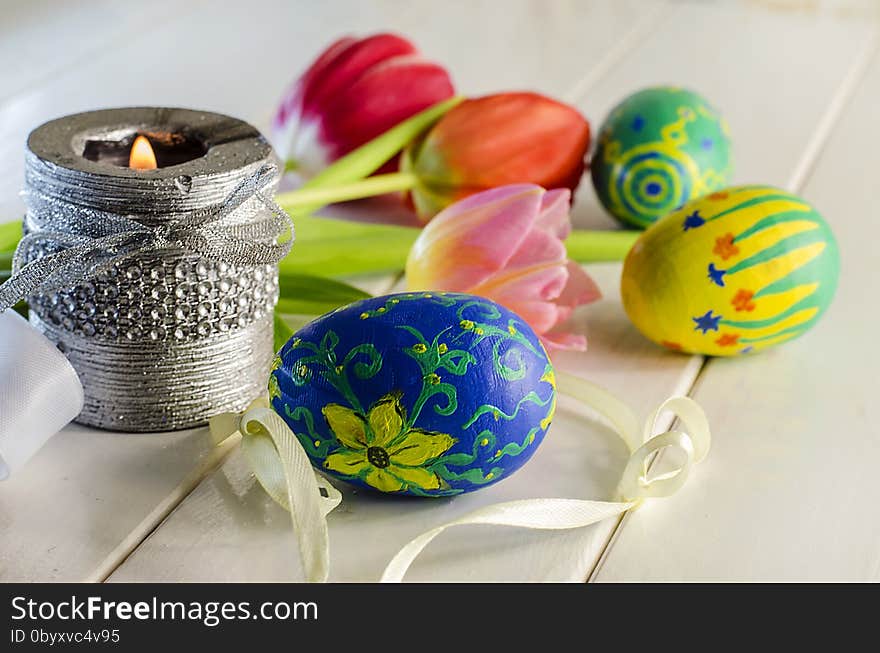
390,456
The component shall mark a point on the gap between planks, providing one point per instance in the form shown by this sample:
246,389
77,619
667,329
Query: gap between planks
117,557
700,364
650,21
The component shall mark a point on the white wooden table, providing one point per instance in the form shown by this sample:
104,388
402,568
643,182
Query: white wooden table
789,490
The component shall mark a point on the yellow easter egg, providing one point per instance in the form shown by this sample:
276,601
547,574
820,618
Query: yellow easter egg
731,273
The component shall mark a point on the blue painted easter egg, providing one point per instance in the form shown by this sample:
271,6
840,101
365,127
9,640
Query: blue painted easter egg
426,394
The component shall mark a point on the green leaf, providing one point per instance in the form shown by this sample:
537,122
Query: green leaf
314,295
283,332
303,296
383,252
312,228
10,234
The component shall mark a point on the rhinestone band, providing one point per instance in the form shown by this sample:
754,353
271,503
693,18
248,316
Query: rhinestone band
161,340
154,300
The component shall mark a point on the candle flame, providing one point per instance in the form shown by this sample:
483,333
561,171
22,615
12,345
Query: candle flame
142,156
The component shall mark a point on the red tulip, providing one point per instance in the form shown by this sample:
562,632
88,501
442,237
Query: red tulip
507,244
356,90
493,141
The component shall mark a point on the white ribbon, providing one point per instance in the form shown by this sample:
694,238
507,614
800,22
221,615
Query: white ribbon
282,467
39,392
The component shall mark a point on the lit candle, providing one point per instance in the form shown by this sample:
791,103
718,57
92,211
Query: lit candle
142,156
177,324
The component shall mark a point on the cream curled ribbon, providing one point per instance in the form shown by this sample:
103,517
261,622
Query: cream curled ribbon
283,469
278,458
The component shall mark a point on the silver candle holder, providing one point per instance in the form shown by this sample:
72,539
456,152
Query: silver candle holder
160,284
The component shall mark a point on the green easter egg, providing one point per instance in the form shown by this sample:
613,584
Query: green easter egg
659,148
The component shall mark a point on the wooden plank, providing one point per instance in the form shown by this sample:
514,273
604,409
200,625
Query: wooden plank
70,511
89,497
579,458
789,492
40,39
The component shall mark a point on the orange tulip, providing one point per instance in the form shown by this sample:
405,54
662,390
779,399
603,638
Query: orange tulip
496,140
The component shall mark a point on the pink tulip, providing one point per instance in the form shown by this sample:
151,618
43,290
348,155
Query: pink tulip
356,90
507,244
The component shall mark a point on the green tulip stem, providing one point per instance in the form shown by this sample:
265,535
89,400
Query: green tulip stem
371,156
310,196
596,246
365,160
339,248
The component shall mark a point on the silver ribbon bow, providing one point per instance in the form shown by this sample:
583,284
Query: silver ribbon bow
87,248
